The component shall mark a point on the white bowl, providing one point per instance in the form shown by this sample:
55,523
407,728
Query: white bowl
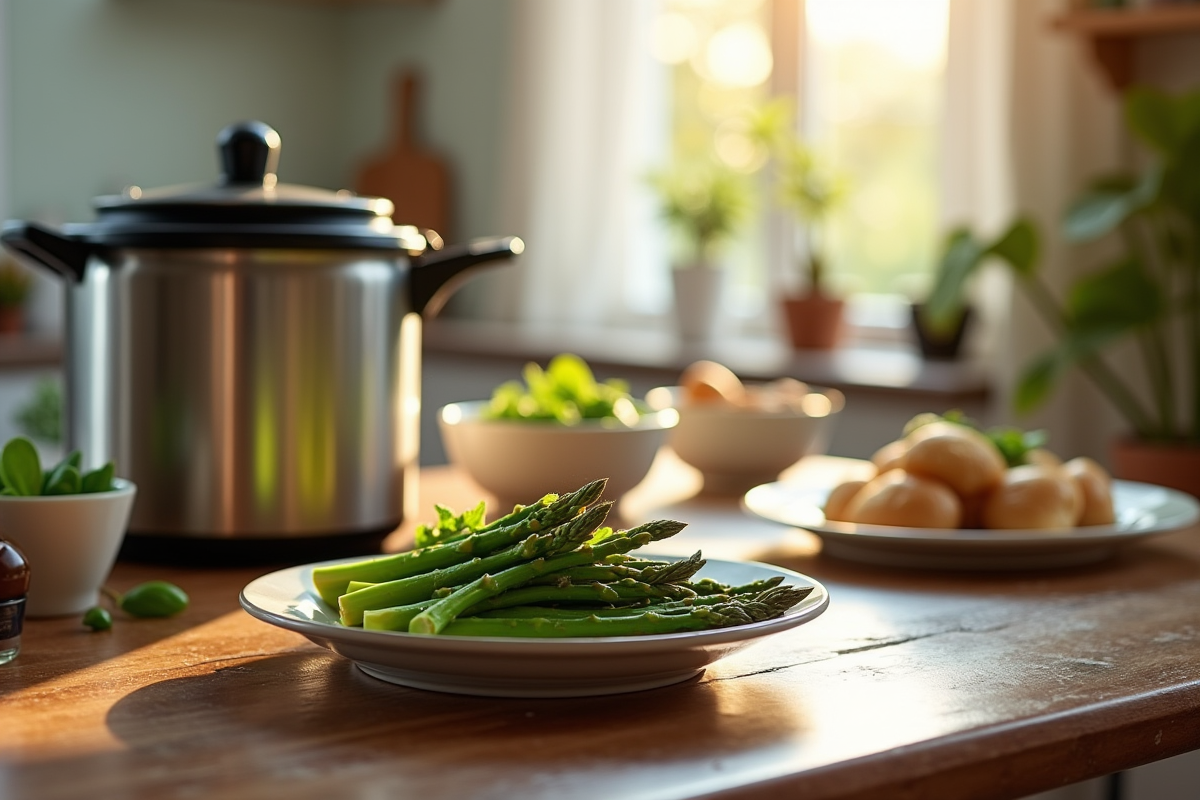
70,541
520,461
737,449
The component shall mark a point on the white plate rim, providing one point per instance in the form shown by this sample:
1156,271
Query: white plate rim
294,580
1175,510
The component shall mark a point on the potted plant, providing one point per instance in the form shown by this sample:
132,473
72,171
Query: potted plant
1148,295
813,191
940,322
15,284
704,204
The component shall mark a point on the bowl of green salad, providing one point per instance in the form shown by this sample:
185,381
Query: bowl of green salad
558,427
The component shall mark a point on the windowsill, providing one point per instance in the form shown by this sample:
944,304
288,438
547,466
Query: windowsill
28,350
884,367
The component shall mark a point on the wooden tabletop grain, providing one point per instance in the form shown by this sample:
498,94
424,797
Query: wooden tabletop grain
912,685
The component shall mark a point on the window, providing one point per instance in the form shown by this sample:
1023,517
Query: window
867,86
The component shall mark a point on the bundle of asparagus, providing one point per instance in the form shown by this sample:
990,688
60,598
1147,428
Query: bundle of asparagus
549,569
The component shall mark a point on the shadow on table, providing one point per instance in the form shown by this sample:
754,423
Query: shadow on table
320,708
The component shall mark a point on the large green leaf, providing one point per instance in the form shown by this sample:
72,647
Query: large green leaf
1018,246
1038,380
21,468
1170,125
1121,297
962,253
1163,121
1108,203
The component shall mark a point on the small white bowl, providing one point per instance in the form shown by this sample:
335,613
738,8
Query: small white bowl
70,542
520,461
736,449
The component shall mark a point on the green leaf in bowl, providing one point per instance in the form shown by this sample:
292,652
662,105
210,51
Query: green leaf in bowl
21,468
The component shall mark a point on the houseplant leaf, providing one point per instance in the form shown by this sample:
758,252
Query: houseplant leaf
1161,120
1018,246
1119,298
1038,380
960,257
1108,203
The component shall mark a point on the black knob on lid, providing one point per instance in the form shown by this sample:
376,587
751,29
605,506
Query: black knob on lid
249,153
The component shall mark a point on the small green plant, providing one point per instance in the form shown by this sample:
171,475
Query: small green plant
565,392
805,183
705,204
962,254
21,473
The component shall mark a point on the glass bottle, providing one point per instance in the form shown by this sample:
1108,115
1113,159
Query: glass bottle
14,585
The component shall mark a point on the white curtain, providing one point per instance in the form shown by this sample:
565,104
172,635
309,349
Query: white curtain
586,125
1066,129
976,167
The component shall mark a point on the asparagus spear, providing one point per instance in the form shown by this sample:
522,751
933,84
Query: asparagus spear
560,539
521,603
623,594
435,618
768,605
652,573
331,581
394,618
706,586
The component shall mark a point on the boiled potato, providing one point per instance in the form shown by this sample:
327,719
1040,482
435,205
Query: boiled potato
890,456
839,499
898,497
961,457
1033,496
1095,486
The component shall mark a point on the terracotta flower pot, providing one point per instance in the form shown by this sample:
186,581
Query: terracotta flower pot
814,322
12,319
1173,465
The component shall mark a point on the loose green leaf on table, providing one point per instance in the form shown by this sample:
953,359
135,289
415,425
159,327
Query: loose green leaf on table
153,599
98,618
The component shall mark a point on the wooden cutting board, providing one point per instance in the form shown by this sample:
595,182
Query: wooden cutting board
414,178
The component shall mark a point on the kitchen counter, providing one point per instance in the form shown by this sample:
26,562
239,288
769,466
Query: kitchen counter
912,685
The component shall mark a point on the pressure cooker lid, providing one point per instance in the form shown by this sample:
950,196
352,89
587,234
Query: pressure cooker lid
247,207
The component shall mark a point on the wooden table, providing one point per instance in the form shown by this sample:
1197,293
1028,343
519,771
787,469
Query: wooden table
911,685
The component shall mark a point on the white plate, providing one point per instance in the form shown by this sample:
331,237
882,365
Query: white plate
508,667
1142,510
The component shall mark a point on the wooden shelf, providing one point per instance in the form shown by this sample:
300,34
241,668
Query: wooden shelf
1114,32
1131,22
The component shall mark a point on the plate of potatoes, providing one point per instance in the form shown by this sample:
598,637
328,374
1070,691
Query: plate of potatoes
946,496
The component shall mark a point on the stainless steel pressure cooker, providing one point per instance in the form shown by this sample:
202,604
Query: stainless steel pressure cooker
249,353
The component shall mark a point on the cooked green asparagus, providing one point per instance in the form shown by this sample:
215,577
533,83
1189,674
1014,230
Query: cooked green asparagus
560,539
331,581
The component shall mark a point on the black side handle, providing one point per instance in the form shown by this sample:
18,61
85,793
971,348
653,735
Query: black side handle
47,248
437,273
